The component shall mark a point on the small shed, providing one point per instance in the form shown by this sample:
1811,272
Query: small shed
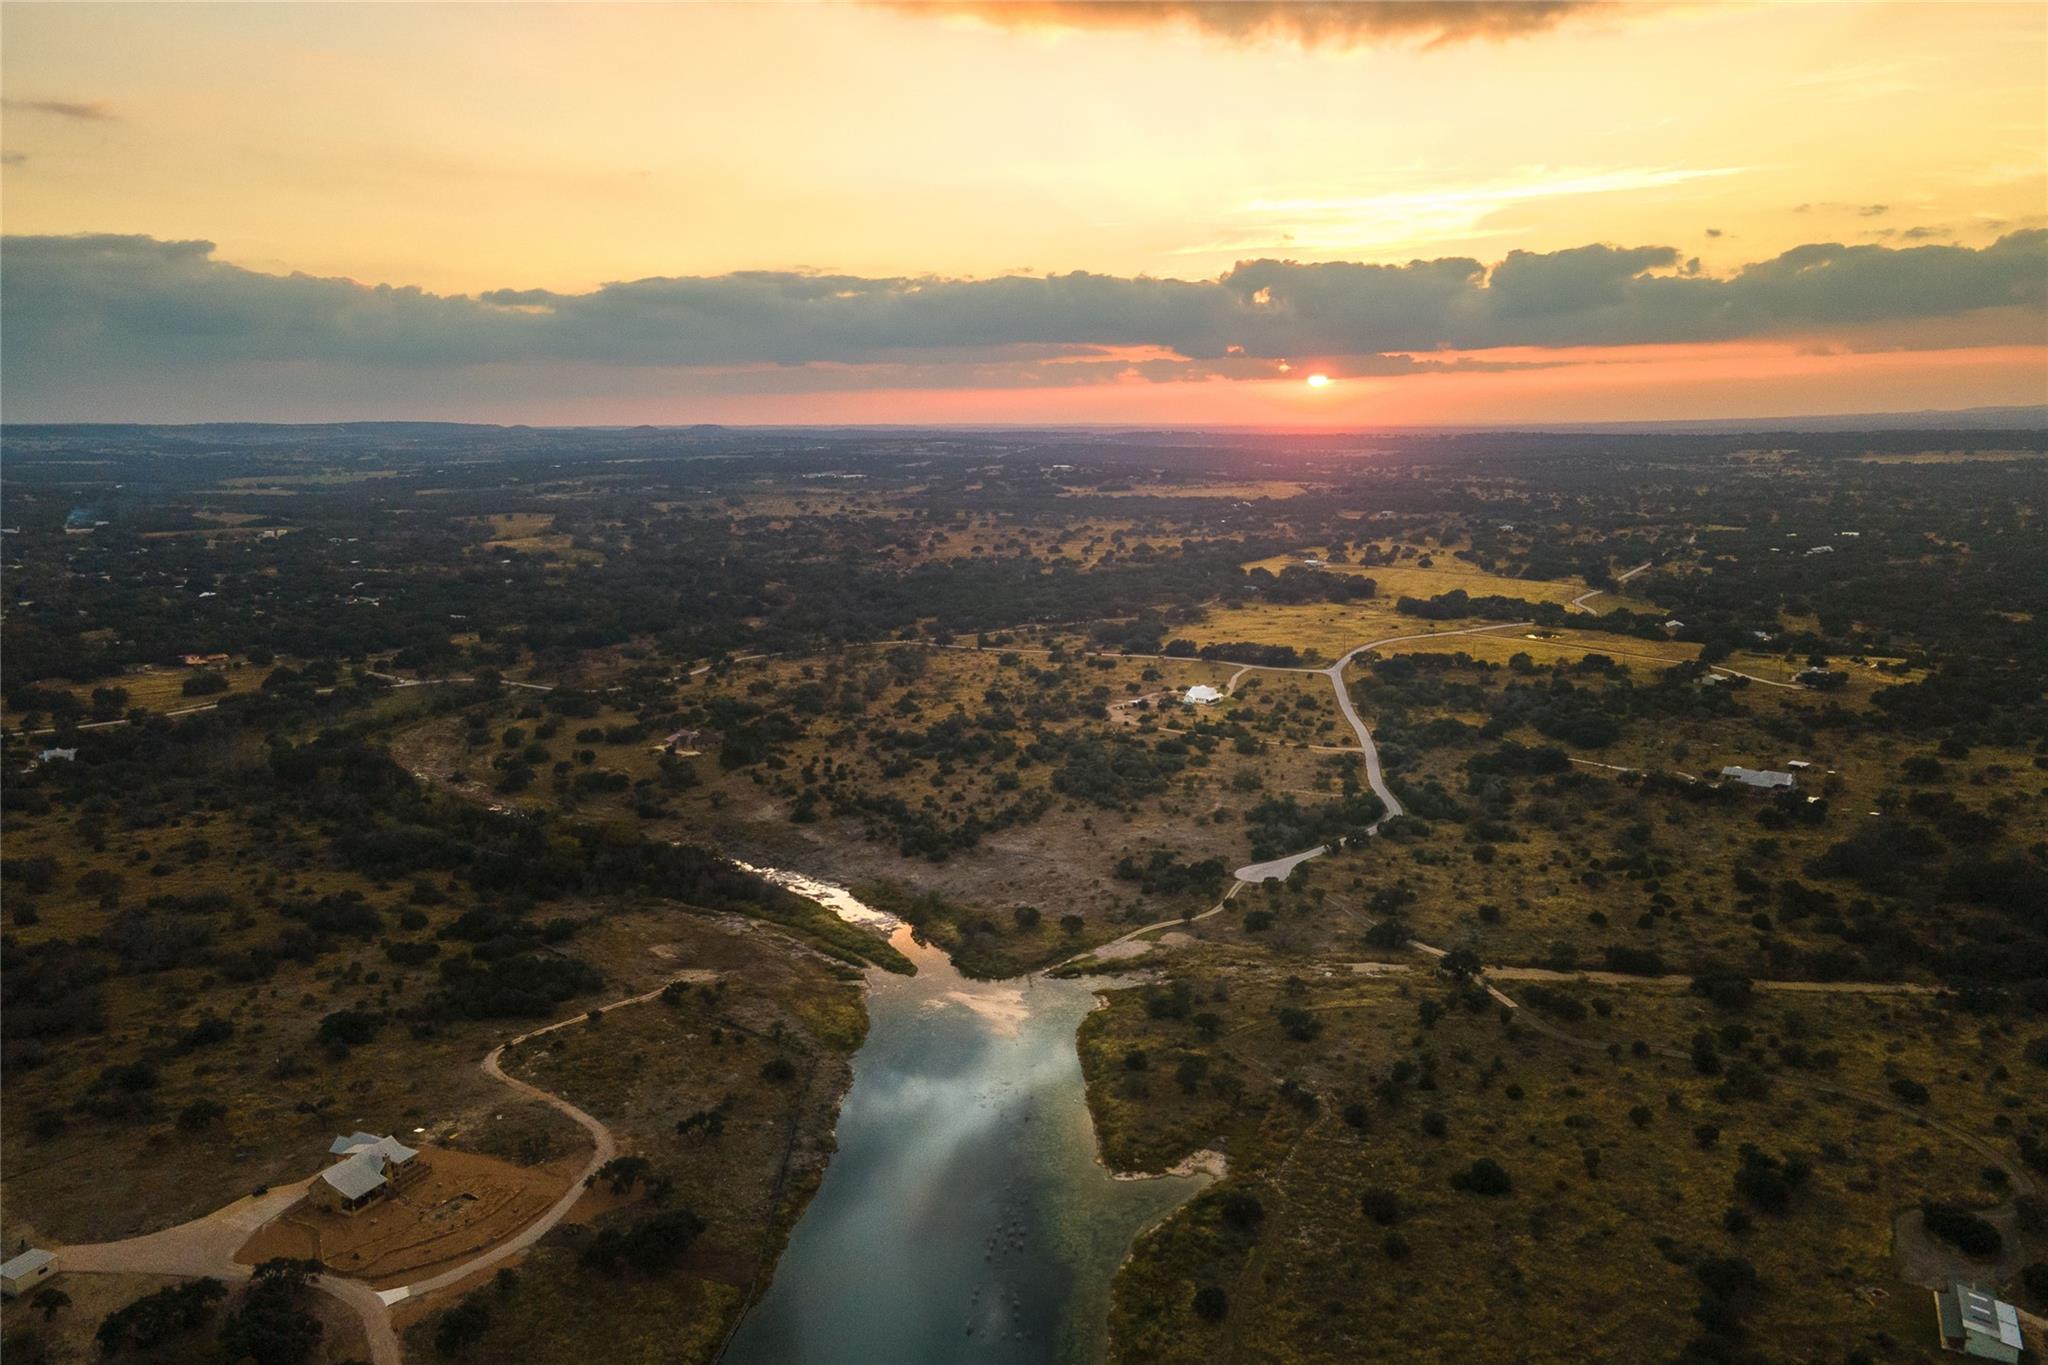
1201,694
26,1271
1977,1323
1753,777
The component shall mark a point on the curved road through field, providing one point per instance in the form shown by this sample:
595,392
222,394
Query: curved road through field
1335,673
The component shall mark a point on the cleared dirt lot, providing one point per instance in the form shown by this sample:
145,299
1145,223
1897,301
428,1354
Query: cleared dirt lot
462,1204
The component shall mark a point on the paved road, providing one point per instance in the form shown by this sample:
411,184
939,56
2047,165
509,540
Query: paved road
1276,869
1579,603
1335,673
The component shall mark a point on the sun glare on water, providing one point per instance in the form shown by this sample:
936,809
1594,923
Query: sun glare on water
1319,381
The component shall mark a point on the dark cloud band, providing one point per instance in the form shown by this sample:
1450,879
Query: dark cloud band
105,310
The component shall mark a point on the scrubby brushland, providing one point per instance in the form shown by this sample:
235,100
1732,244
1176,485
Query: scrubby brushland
338,756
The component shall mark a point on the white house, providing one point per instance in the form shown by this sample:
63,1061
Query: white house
26,1271
1201,694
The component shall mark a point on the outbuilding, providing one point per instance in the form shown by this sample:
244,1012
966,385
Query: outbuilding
1977,1323
26,1271
1753,777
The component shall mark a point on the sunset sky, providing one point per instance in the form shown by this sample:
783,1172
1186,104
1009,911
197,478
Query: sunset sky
1169,213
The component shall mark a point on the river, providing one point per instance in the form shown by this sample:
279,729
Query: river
964,1217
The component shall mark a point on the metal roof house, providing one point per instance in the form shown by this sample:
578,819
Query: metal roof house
372,1167
1201,694
26,1271
1752,777
1976,1323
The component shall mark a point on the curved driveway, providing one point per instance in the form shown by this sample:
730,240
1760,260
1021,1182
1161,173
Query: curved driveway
1335,672
207,1245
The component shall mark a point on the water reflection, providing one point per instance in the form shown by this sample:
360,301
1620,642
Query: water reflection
964,1216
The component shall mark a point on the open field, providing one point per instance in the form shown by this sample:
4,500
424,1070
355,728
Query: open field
1445,573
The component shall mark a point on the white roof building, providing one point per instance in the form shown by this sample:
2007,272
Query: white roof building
1201,694
1976,1323
368,1164
27,1270
360,1175
1753,777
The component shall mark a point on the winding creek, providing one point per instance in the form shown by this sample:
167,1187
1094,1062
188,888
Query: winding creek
965,1215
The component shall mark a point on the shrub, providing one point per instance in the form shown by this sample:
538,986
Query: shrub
1961,1229
1909,1090
350,1028
1298,1024
1634,961
649,1245
156,1319
1211,1304
460,1326
1766,1181
1556,1003
201,1113
1484,1176
1242,1210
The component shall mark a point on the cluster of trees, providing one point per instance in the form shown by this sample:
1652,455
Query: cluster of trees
1163,874
270,1326
1279,825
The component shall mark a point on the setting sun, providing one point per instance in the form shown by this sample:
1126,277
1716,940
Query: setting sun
1319,381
